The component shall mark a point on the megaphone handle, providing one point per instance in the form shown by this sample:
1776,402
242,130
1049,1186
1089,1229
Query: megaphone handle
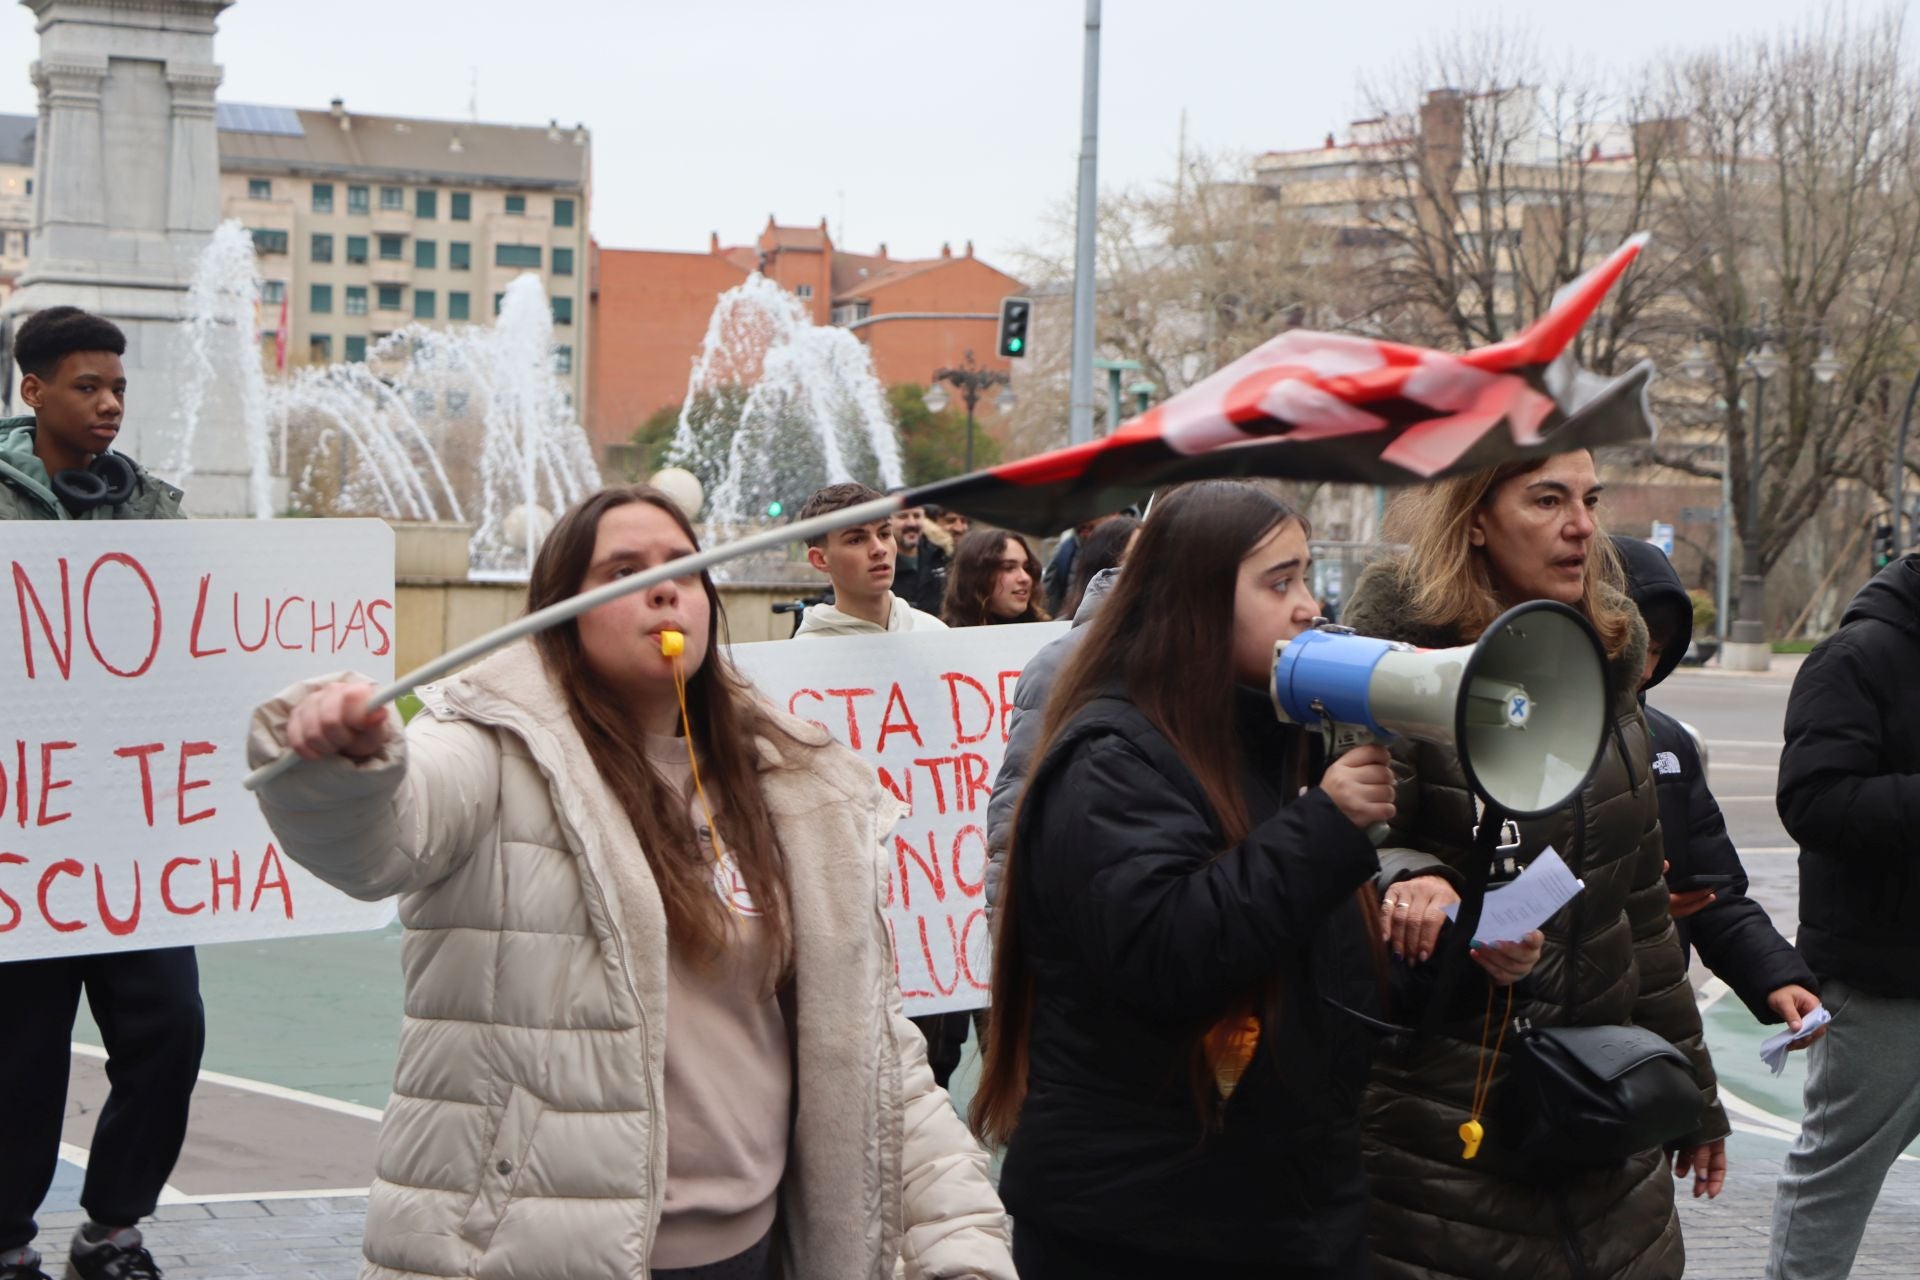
1378,833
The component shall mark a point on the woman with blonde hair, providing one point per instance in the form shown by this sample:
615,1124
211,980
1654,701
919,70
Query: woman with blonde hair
652,1023
1477,545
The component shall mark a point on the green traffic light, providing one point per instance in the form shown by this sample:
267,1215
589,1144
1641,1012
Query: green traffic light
1014,344
774,509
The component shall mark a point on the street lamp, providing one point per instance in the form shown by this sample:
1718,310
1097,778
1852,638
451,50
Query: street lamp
1142,393
970,380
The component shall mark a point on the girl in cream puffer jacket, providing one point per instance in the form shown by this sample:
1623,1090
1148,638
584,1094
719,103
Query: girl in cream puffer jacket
527,1133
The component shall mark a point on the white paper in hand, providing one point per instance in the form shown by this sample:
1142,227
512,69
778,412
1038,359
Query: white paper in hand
1774,1049
1514,910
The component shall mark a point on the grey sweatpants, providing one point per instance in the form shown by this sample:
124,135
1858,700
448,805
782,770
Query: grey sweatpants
1863,1110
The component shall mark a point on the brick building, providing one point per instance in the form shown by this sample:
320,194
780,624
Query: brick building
649,311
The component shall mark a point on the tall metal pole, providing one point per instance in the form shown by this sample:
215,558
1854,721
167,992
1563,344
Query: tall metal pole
1900,471
1080,416
1751,626
1723,622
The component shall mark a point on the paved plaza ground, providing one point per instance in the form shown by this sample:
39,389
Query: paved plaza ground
302,1037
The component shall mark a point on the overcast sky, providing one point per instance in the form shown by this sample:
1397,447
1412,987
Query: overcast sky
908,121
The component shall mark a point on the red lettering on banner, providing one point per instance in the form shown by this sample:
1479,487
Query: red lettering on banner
929,869
64,867
271,861
22,590
886,780
280,613
1006,705
20,780
965,947
188,750
266,625
199,615
213,865
140,753
356,621
6,899
887,726
49,784
932,766
117,927
960,882
954,680
386,641
794,710
166,887
853,725
906,993
86,611
933,972
313,616
973,781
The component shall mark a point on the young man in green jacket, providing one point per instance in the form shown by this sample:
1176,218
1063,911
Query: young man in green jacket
59,465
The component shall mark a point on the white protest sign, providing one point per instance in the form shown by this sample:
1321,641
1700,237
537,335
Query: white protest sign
930,712
131,655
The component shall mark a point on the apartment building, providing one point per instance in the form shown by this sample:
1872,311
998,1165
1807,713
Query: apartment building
16,197
365,224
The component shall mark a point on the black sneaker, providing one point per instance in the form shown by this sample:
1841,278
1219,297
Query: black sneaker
120,1255
27,1268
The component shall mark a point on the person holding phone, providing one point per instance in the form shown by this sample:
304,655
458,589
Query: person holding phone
1706,882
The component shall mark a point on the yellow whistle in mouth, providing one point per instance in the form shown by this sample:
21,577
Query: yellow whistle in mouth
672,644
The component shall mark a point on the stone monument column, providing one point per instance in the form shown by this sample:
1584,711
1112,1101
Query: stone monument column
126,195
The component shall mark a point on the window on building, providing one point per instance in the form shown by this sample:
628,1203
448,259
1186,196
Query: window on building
426,204
320,248
356,300
563,310
393,197
319,348
563,262
563,359
562,212
273,292
422,403
456,401
423,304
390,297
803,291
459,305
320,299
496,302
517,255
357,347
269,241
259,188
357,200
426,254
323,197
357,249
460,206
459,255
516,204
393,248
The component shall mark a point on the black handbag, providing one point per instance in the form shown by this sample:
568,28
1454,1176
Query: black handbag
1589,1097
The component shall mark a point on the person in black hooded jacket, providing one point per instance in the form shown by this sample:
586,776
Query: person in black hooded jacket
1850,795
1186,932
1731,931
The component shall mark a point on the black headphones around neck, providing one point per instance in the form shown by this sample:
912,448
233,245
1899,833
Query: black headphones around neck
107,481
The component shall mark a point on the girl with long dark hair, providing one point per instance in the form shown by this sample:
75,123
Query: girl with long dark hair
652,1023
1183,933
994,578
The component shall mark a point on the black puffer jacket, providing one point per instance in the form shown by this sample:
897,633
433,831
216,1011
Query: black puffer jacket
1850,790
1496,1218
1141,933
1732,933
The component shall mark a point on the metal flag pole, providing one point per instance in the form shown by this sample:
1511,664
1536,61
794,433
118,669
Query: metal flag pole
574,606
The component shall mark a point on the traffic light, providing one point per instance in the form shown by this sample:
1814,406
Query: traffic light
1014,313
775,509
1882,545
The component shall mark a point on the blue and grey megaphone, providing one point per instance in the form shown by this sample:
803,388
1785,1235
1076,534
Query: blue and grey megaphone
1524,707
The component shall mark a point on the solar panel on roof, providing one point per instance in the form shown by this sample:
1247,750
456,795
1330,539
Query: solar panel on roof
251,117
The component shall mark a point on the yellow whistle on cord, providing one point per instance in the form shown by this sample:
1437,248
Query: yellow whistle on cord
672,644
1470,1134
